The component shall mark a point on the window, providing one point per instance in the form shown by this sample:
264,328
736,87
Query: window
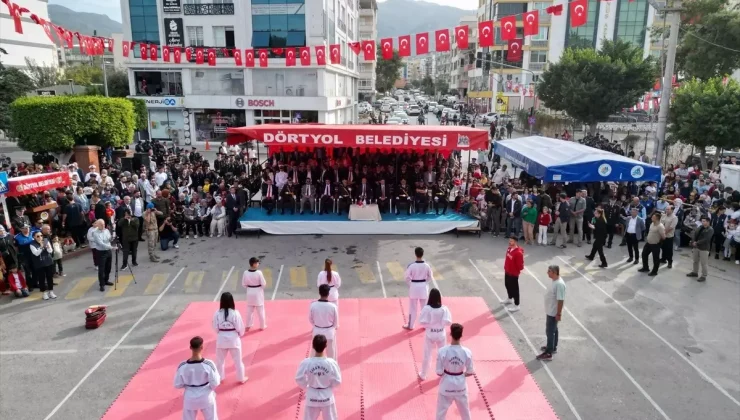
499,41
541,6
509,9
144,22
542,34
283,25
223,36
155,83
217,82
538,56
288,82
631,21
584,36
195,36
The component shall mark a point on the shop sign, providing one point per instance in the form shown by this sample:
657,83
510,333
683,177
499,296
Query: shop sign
3,182
260,103
171,6
162,102
174,32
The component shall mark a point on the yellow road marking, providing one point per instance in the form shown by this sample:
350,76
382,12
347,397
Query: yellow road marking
267,272
232,284
436,274
157,284
298,277
462,272
194,281
79,289
365,273
398,272
123,283
36,295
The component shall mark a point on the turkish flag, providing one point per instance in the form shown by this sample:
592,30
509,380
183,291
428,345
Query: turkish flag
578,13
238,57
166,53
249,58
461,36
290,57
321,55
556,10
263,58
485,33
211,57
226,52
277,51
531,22
178,55
335,53
355,47
125,48
386,45
199,56
68,38
110,44
188,54
15,12
305,56
508,28
46,25
143,50
442,40
368,49
422,43
515,50
153,52
404,46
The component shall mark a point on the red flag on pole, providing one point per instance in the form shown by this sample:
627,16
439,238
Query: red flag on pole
386,48
515,50
485,33
290,58
578,13
368,48
335,54
404,46
321,55
422,43
305,56
461,36
531,22
508,28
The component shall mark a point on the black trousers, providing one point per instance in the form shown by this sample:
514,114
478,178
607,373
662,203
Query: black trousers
234,217
512,287
45,277
610,229
130,248
105,260
598,246
78,234
383,204
632,245
141,227
440,203
666,248
653,249
586,229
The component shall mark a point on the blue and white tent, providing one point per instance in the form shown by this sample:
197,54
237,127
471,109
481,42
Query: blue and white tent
553,160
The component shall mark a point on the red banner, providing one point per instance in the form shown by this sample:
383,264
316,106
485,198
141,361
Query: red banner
381,137
31,184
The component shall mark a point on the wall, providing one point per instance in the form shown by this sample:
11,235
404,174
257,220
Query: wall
33,43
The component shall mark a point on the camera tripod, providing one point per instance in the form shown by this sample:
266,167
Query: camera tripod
115,262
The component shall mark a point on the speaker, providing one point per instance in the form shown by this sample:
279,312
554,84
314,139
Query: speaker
127,164
140,159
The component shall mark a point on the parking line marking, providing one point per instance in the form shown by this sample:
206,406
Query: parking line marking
267,272
396,270
436,274
365,273
277,284
79,289
225,279
194,281
298,277
380,276
123,282
157,284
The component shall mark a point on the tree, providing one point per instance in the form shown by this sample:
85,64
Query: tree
84,74
118,84
13,84
414,84
590,85
140,113
427,85
57,124
42,76
704,113
386,72
441,86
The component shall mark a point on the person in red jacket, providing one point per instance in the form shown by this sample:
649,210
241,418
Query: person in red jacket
17,283
513,265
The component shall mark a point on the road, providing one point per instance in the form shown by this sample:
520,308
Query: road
631,346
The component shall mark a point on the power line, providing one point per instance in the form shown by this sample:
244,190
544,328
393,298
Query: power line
710,42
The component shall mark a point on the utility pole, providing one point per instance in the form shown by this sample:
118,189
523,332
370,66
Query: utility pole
673,14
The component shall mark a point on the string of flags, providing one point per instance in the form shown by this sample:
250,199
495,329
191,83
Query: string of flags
92,45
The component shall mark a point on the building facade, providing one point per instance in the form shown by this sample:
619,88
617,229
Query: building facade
193,103
32,43
368,27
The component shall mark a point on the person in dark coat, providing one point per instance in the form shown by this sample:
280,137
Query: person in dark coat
598,225
8,250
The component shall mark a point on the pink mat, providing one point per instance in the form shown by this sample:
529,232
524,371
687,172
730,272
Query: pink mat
379,361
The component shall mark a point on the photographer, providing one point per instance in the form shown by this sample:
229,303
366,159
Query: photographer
167,233
129,238
100,239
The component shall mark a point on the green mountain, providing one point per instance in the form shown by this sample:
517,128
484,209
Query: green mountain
409,17
82,22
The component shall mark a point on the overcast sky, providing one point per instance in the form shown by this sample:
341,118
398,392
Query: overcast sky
112,8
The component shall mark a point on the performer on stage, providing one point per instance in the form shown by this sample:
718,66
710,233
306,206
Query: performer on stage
199,377
454,364
318,375
229,328
324,317
332,279
434,317
254,281
418,274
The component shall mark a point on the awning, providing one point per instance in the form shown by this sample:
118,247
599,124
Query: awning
553,160
378,137
31,184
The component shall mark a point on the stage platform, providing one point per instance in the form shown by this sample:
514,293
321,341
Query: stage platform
379,362
333,224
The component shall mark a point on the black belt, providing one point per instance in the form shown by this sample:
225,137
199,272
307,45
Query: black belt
197,386
254,286
319,388
452,374
330,326
227,329
418,281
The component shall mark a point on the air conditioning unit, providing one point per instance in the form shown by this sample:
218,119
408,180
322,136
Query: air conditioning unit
200,74
300,91
289,91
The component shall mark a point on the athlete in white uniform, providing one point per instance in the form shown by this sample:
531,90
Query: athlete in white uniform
454,364
199,377
327,276
254,281
418,274
229,328
324,317
318,375
434,317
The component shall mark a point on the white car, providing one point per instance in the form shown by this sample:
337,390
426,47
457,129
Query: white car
386,107
487,118
414,110
394,121
402,115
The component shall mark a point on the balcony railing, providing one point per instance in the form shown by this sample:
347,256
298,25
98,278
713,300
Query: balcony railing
538,44
219,53
537,66
209,9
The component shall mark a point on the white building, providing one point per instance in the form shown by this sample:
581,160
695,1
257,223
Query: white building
194,103
32,43
368,30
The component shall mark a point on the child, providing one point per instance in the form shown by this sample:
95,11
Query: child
57,254
69,245
543,221
17,282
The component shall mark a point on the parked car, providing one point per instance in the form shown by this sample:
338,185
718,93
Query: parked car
414,110
487,118
386,107
394,121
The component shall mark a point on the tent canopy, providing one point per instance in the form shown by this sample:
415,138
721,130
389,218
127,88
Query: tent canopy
373,137
553,160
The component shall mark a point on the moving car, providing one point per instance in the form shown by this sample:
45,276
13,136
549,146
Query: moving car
487,118
402,115
394,121
414,110
386,107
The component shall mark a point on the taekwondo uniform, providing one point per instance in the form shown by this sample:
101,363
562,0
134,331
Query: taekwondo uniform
229,329
324,317
318,376
434,320
418,274
336,283
199,379
453,362
254,282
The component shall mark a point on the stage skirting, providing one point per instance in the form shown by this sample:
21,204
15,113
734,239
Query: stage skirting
332,224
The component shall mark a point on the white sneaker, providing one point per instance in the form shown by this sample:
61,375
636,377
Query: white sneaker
422,377
737,262
176,246
211,236
52,295
514,308
46,296
187,236
195,236
506,301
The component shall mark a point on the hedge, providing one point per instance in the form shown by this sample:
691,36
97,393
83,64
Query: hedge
57,124
141,114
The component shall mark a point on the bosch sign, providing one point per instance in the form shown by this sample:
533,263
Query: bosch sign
260,103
